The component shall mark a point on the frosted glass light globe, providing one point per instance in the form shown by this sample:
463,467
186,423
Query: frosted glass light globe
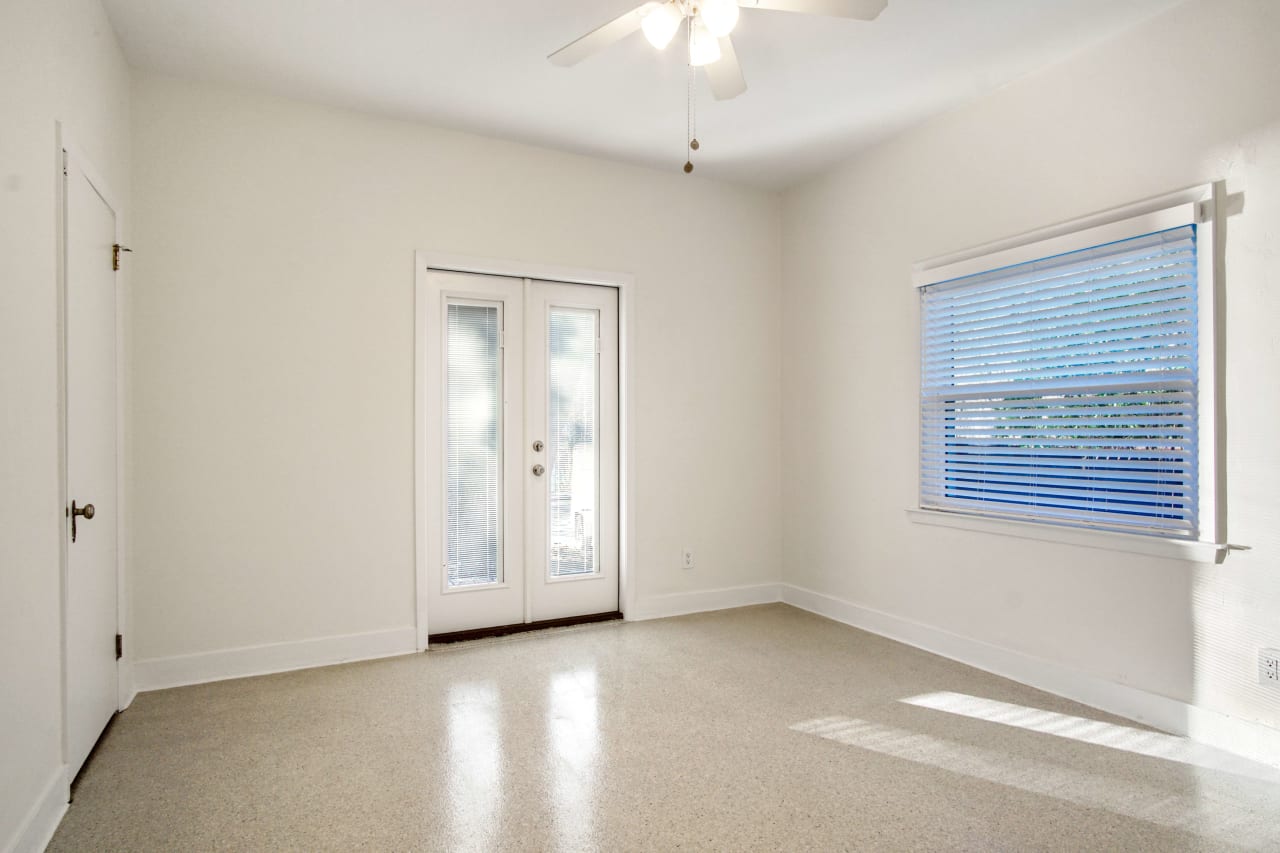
661,23
720,16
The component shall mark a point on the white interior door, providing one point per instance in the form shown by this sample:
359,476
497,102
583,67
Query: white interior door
520,433
91,603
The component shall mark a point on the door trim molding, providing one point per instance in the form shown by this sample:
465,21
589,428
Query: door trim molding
125,691
424,262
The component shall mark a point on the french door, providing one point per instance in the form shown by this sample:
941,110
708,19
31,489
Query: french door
521,451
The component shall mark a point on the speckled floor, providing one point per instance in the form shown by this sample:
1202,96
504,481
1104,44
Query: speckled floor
758,729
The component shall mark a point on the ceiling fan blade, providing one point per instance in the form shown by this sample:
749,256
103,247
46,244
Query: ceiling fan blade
599,38
725,73
861,10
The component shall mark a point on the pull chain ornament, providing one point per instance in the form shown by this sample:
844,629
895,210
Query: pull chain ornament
691,129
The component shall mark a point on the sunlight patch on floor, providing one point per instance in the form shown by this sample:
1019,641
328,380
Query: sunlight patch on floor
1113,736
1207,811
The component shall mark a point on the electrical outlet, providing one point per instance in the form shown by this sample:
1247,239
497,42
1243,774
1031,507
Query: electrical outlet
687,558
1269,667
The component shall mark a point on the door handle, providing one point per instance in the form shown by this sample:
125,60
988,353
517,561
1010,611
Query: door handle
86,511
538,470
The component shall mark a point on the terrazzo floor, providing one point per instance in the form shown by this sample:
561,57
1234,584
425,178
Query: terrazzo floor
765,728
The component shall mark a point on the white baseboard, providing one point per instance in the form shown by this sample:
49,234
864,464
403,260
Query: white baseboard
180,670
683,603
1242,737
42,819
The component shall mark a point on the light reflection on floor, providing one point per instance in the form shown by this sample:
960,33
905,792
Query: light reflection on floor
1096,732
574,734
474,780
1211,810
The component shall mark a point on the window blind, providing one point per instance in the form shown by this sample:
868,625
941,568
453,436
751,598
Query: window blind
1065,389
473,432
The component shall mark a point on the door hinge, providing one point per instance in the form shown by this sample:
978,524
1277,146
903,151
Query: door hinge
116,249
119,646
64,162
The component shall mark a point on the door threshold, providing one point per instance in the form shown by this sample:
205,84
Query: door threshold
520,628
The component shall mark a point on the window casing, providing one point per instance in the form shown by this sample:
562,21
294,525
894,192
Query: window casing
1071,381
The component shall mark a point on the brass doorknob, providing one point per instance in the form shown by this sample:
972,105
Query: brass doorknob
86,512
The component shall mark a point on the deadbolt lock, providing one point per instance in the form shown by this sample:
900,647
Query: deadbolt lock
537,446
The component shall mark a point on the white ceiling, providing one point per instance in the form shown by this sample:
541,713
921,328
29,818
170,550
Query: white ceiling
820,88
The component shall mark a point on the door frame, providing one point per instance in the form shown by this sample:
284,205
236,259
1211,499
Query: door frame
125,691
624,283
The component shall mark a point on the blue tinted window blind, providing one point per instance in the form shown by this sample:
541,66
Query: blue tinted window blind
1064,389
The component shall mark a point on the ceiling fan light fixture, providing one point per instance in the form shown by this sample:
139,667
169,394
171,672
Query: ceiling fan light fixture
704,48
720,16
661,23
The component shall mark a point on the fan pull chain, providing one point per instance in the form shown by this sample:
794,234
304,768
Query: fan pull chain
691,127
693,109
688,163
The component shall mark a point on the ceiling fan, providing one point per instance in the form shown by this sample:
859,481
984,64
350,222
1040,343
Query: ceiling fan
709,23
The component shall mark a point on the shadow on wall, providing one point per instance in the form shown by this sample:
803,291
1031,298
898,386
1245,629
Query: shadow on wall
1234,606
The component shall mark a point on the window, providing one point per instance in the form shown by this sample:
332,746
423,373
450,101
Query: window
1070,381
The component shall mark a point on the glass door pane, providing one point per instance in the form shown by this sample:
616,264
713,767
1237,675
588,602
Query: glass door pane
473,418
572,451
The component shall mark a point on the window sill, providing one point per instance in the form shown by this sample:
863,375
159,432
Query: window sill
1173,549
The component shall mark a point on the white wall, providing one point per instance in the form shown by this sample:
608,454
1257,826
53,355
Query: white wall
273,342
1185,98
58,62
272,422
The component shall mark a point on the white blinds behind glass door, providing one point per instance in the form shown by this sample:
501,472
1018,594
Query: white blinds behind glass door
572,450
473,391
1065,389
